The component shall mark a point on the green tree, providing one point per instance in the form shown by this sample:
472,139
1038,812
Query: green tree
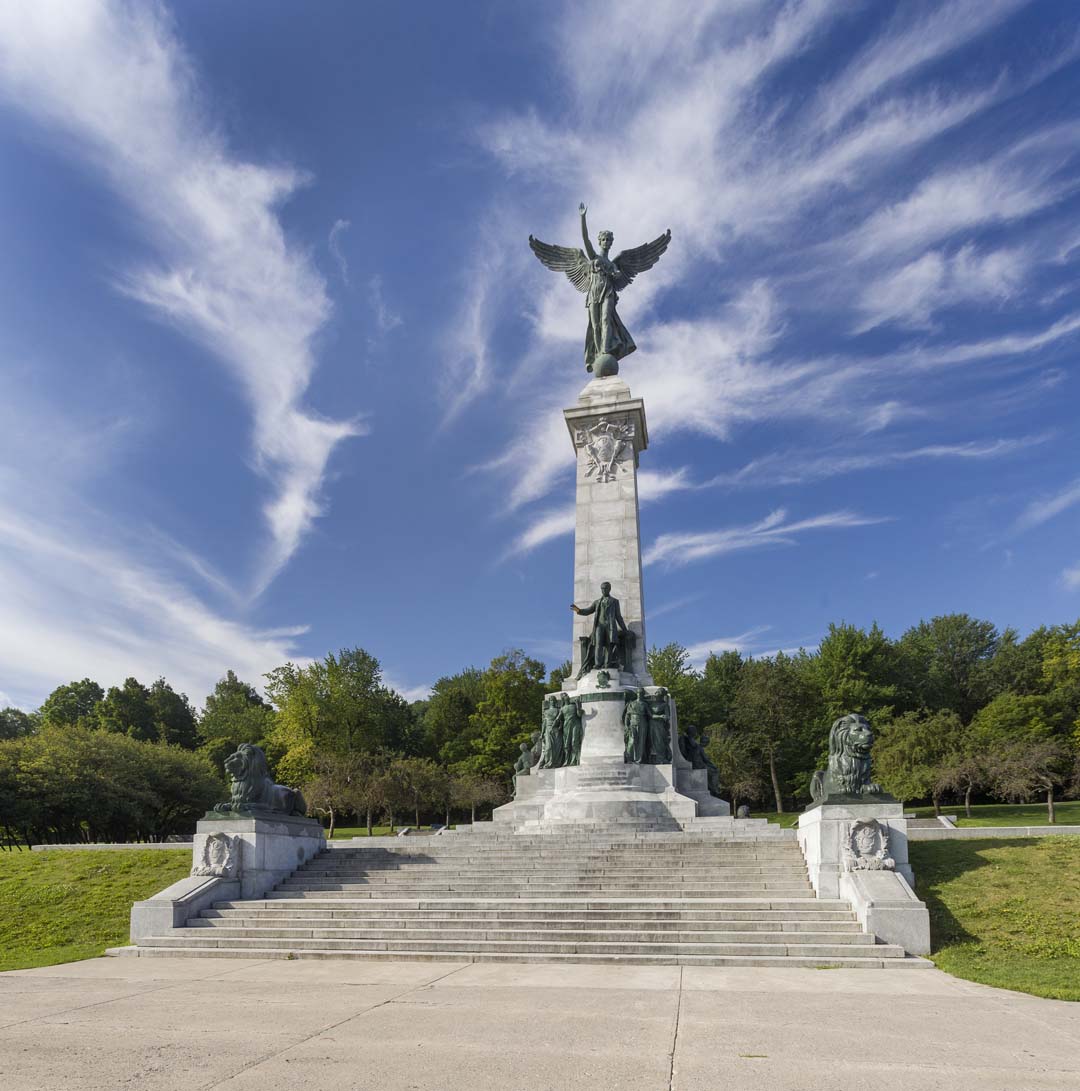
1017,665
738,765
173,717
717,686
855,670
469,791
445,723
71,783
14,723
945,663
512,690
1026,767
127,710
335,705
235,711
912,750
73,703
771,706
560,674
670,667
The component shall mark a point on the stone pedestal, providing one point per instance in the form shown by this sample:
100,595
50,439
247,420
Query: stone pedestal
232,858
872,873
268,849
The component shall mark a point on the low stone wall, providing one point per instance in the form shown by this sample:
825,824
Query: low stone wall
95,846
968,833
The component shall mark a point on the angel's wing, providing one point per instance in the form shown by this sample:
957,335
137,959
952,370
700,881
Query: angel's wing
564,259
632,262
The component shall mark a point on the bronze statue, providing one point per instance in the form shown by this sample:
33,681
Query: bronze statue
609,632
607,340
572,730
658,751
551,740
636,728
848,774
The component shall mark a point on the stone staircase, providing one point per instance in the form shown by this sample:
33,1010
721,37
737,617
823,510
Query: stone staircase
719,893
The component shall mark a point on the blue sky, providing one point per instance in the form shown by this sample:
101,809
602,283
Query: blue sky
279,374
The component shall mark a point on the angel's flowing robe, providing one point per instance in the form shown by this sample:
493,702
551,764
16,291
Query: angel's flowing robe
600,304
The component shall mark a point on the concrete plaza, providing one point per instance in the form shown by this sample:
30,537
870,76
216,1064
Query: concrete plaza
245,1025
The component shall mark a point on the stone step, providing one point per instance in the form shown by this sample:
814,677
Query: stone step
528,893
463,882
539,890
189,937
848,962
213,918
659,867
805,916
338,857
345,930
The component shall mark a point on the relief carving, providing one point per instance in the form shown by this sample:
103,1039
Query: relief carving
866,847
605,444
219,857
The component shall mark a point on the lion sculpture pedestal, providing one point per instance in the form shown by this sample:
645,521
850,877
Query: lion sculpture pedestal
854,838
243,848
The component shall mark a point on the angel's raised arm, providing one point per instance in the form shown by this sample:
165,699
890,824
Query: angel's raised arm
585,233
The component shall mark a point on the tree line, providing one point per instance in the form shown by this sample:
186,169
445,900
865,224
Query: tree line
961,710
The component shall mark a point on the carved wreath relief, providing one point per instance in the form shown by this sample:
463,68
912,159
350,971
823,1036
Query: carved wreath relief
866,847
219,857
604,443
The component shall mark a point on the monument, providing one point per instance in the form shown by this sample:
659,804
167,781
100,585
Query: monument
609,745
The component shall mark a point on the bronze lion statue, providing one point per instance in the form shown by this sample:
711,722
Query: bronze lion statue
848,774
252,791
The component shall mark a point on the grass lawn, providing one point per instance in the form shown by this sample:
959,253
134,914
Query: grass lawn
982,814
61,906
1008,814
361,831
1005,913
376,831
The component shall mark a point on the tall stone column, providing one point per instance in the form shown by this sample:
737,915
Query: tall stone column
607,428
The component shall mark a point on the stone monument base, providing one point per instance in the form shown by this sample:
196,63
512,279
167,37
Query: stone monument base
233,857
858,851
601,792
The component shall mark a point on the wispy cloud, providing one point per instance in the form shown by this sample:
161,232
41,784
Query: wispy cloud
543,528
742,642
112,80
801,467
678,549
122,615
385,318
333,243
912,294
1048,507
1070,578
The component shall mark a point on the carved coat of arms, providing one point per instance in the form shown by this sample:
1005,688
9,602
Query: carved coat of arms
219,857
866,847
604,445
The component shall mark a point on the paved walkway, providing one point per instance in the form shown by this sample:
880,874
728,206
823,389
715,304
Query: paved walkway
181,1024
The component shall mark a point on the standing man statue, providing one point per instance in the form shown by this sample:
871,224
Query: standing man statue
551,741
600,278
659,748
608,624
572,730
636,728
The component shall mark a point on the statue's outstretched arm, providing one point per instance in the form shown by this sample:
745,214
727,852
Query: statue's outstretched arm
585,233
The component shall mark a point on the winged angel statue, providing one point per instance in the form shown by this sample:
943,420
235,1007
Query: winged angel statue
607,340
